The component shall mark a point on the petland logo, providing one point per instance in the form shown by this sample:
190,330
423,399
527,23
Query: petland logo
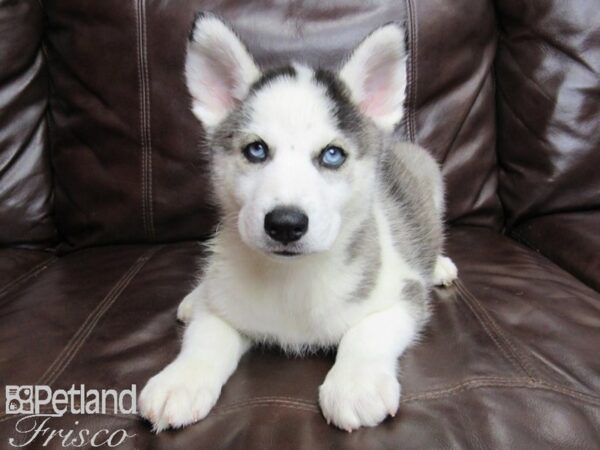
40,403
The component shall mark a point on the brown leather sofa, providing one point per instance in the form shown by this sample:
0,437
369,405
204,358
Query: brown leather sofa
103,202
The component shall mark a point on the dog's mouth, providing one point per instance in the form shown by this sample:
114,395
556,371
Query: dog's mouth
287,253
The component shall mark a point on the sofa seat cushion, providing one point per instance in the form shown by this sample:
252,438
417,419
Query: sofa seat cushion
572,240
19,266
509,356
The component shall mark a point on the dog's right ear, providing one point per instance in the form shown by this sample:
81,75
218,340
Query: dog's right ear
376,75
218,69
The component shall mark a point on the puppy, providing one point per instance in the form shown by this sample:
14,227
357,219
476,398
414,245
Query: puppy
331,230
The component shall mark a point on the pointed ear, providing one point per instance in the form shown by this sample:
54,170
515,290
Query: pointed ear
218,69
376,76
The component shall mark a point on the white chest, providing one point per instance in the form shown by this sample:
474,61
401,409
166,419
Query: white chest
304,303
298,308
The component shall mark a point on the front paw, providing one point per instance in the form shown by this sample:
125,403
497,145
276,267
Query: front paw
445,272
177,396
185,309
355,397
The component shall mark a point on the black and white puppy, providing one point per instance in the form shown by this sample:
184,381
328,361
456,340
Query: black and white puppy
331,232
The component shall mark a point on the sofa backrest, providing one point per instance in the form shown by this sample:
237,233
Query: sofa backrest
126,153
548,97
25,175
126,148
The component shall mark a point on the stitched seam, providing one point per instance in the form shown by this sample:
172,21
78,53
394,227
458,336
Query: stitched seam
145,131
442,392
571,392
84,331
69,351
519,358
105,306
143,113
508,384
35,270
491,335
509,357
272,401
271,398
412,71
269,404
148,115
214,412
141,108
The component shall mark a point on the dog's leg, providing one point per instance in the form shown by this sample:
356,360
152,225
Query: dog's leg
187,389
186,307
362,388
445,271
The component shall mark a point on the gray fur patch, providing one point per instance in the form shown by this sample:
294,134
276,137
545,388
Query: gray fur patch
414,289
345,112
223,137
409,183
415,293
359,239
365,251
199,15
270,75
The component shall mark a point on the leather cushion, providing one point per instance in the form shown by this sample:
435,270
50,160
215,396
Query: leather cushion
572,240
508,358
25,179
128,152
548,110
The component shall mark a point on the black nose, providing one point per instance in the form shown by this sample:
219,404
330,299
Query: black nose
286,224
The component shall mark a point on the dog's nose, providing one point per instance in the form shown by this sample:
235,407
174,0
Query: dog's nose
286,224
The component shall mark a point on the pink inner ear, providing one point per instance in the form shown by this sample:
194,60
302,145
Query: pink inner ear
221,83
379,86
219,94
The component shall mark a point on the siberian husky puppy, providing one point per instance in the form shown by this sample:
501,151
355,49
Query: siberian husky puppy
331,230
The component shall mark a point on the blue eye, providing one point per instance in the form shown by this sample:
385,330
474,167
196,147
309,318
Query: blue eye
256,152
332,157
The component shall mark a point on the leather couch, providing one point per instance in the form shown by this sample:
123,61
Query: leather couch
103,204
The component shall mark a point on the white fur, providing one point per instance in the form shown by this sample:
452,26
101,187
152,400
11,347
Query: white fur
187,389
445,272
362,387
299,305
247,294
293,117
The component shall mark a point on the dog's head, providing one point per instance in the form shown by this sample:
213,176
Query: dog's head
294,150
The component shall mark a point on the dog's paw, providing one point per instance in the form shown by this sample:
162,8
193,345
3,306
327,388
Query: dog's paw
361,397
445,272
177,397
185,309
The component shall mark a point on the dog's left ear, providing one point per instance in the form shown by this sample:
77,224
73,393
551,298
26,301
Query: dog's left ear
376,76
218,69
